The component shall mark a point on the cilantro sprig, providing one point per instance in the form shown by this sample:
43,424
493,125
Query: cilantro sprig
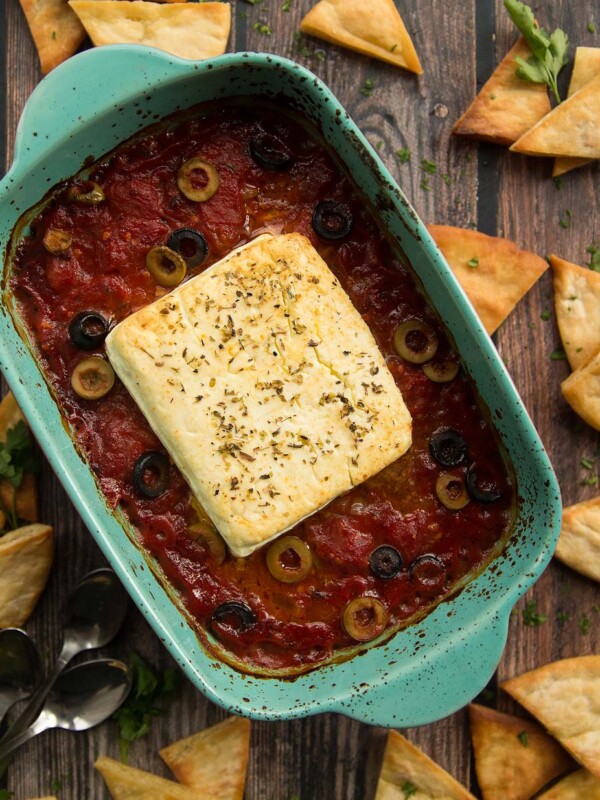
149,689
550,50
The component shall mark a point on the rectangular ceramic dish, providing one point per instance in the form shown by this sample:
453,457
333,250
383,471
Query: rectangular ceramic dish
423,672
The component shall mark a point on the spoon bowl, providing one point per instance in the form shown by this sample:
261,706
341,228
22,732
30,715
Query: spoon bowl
81,698
20,670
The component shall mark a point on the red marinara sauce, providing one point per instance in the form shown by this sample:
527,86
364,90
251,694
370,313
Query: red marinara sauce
293,626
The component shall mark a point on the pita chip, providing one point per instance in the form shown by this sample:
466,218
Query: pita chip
570,129
406,771
577,305
506,107
495,273
580,785
579,543
565,697
514,758
371,27
25,497
213,760
129,783
581,390
25,560
187,30
585,67
56,31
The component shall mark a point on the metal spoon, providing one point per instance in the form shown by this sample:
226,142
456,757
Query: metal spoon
83,696
20,669
94,613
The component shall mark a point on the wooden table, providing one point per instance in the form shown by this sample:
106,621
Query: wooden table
327,757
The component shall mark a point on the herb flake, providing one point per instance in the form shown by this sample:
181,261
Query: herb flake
403,155
531,616
473,262
558,355
409,789
367,88
523,738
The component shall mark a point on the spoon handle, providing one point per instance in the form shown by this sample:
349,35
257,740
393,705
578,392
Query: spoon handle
16,741
36,702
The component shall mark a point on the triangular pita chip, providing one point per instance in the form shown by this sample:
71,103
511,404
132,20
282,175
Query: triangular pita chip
577,304
187,30
495,273
506,107
56,31
585,67
407,772
565,698
579,542
581,390
514,758
374,29
25,561
570,129
580,785
213,760
26,495
128,783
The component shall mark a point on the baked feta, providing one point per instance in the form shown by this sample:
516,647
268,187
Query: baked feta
265,386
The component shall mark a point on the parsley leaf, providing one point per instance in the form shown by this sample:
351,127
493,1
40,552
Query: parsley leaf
403,155
367,88
136,713
523,738
409,789
473,262
550,51
594,252
558,355
17,455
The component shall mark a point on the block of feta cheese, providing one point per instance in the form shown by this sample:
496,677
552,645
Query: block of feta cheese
265,386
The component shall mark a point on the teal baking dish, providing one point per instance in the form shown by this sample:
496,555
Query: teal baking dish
423,672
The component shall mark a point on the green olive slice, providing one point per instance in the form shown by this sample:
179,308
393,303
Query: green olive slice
442,371
92,378
415,341
364,618
57,242
289,559
89,193
198,179
451,491
167,267
201,531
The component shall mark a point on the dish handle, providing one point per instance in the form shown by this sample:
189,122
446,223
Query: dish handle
72,93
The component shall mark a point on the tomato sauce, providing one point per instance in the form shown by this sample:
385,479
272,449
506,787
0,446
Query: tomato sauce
295,625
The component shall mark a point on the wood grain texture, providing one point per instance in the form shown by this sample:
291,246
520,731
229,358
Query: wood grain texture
330,757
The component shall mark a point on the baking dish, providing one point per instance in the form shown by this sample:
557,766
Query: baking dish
444,660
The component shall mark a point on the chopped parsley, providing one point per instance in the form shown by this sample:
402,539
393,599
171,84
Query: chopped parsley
545,315
591,481
428,166
594,263
523,738
565,222
473,262
149,689
562,617
367,88
425,185
550,50
587,463
56,785
287,4
263,28
585,624
558,355
591,26
447,179
558,182
531,616
403,155
409,789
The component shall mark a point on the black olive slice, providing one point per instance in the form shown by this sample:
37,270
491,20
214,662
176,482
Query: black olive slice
236,616
448,447
269,152
88,330
481,487
428,571
190,245
386,562
332,220
151,473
